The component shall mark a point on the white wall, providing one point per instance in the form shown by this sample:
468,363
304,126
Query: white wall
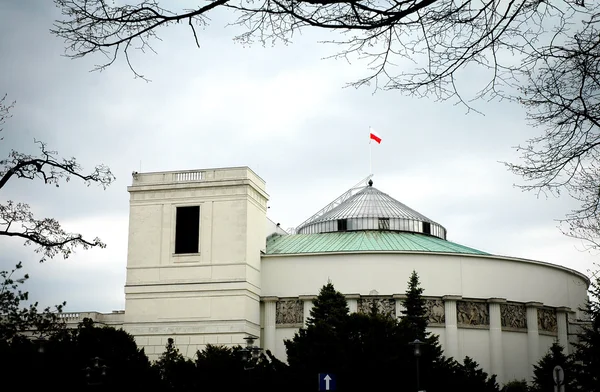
388,273
211,296
514,345
472,277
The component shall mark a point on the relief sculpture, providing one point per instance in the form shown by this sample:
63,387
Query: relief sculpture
547,320
435,311
289,311
513,316
384,305
472,313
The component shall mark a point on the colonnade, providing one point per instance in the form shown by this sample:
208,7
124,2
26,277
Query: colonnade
490,318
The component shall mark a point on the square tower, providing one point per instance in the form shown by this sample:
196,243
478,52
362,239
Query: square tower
193,262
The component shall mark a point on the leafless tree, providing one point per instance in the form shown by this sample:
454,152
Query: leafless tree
562,97
440,37
17,220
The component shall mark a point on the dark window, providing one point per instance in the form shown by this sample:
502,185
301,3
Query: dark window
187,228
426,227
384,223
342,225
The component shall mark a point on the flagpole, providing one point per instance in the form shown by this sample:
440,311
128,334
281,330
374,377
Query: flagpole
370,156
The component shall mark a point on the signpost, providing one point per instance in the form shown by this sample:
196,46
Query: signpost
326,382
558,374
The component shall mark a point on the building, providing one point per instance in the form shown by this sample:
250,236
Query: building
206,265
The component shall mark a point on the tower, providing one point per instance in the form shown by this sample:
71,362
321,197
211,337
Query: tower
193,262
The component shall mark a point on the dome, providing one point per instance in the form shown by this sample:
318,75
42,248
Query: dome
370,209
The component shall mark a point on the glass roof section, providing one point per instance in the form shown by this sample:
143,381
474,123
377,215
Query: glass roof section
367,208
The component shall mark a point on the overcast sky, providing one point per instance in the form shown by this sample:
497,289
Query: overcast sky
280,110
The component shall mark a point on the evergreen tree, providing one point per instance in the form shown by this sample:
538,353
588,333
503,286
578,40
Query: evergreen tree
437,372
516,386
543,371
587,355
376,345
414,323
221,368
330,308
414,315
320,347
104,355
176,372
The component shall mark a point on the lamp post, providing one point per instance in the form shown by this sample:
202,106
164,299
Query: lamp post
417,352
250,352
96,374
40,343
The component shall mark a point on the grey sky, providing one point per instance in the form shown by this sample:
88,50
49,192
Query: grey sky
283,112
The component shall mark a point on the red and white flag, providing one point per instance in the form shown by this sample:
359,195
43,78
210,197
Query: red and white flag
374,136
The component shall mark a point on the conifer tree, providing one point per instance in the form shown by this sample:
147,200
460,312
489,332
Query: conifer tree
329,308
175,371
542,372
321,346
516,386
587,355
438,373
414,315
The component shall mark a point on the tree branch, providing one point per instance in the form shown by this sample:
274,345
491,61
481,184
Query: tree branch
16,219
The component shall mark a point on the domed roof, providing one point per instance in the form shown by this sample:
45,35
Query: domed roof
370,209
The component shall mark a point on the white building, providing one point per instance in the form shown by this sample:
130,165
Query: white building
206,265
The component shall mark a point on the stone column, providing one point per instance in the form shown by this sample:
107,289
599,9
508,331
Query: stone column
561,324
399,304
270,319
307,301
496,349
451,348
353,302
533,337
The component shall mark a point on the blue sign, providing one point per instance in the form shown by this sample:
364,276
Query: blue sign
326,382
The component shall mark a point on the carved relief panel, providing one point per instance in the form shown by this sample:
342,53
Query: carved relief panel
384,305
472,313
547,320
289,311
513,316
435,311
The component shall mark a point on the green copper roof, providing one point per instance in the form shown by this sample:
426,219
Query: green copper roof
363,241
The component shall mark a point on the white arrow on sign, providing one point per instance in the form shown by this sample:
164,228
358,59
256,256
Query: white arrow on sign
558,375
327,379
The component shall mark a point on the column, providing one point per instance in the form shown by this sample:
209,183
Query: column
269,327
451,348
353,302
533,338
399,304
496,350
561,323
307,301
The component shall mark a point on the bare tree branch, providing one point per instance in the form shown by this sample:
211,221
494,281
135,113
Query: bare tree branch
16,219
450,34
563,98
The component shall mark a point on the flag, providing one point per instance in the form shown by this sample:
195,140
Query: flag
374,136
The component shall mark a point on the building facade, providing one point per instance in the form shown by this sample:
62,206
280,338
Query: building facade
206,266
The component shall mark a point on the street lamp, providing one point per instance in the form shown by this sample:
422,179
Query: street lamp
250,352
417,352
96,374
40,343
